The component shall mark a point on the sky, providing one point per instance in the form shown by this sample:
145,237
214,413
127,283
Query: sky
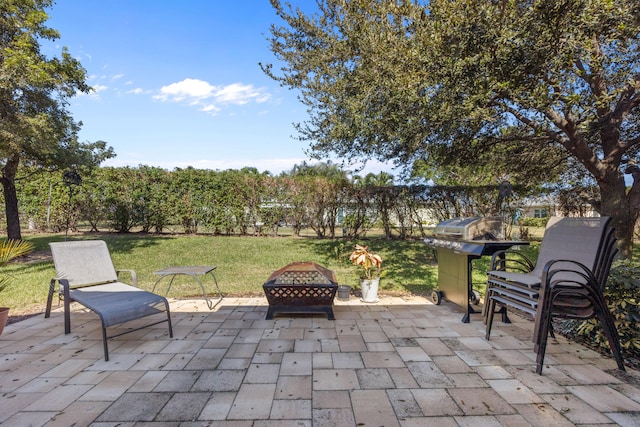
177,83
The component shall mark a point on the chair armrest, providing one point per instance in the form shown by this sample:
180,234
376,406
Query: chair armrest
132,273
573,275
62,288
56,282
511,260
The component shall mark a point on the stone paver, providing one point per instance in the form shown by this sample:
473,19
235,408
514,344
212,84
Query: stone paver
400,362
373,408
253,402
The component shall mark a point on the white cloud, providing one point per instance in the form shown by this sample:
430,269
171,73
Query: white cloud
137,91
210,108
97,84
187,89
237,93
264,98
209,97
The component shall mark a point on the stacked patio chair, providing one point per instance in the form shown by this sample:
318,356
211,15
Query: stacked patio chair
85,274
566,281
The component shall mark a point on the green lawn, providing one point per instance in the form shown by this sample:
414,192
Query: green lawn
243,262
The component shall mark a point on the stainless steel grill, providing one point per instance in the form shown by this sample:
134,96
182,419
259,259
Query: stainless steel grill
458,241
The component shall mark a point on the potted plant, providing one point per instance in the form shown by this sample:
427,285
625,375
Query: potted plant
372,266
10,249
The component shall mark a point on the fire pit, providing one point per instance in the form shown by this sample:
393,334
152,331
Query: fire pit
301,287
458,242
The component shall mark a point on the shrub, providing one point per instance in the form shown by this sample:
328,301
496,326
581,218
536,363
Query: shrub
533,222
622,294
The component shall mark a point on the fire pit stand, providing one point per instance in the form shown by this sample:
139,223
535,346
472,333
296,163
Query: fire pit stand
301,287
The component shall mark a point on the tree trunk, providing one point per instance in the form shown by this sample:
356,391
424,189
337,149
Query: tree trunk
11,198
615,202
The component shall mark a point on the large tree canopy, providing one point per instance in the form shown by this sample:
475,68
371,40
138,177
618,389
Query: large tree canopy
35,125
528,89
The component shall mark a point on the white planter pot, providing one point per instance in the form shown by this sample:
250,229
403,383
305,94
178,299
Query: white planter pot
369,289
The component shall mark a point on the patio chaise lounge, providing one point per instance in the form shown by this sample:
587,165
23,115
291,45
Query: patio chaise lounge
85,274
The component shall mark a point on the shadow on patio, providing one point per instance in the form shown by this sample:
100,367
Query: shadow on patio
400,362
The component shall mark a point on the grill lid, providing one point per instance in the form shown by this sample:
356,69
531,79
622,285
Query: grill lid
472,228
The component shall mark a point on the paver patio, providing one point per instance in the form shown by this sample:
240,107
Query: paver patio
400,362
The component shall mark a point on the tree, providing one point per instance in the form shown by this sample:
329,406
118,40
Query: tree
323,193
384,197
534,87
35,127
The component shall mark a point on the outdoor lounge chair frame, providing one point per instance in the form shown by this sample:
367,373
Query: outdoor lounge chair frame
85,274
567,281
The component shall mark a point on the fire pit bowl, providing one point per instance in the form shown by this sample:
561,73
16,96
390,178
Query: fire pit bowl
301,287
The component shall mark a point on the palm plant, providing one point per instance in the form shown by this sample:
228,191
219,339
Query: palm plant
11,249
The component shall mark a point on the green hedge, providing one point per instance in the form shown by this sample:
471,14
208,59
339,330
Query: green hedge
534,222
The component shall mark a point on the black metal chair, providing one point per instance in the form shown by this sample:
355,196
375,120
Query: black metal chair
567,280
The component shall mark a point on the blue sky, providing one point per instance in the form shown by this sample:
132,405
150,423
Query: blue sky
177,83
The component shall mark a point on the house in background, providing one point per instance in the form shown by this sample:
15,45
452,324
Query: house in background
547,206
539,207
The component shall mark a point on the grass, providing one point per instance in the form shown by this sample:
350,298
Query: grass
243,263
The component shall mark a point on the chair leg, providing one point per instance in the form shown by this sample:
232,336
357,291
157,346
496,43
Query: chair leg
491,309
485,306
540,338
169,321
67,316
503,313
47,311
610,331
543,318
104,343
541,330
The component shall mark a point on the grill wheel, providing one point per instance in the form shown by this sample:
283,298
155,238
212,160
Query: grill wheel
436,297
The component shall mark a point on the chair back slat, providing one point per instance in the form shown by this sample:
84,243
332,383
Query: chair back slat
83,263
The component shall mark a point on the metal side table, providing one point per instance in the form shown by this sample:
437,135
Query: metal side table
196,272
